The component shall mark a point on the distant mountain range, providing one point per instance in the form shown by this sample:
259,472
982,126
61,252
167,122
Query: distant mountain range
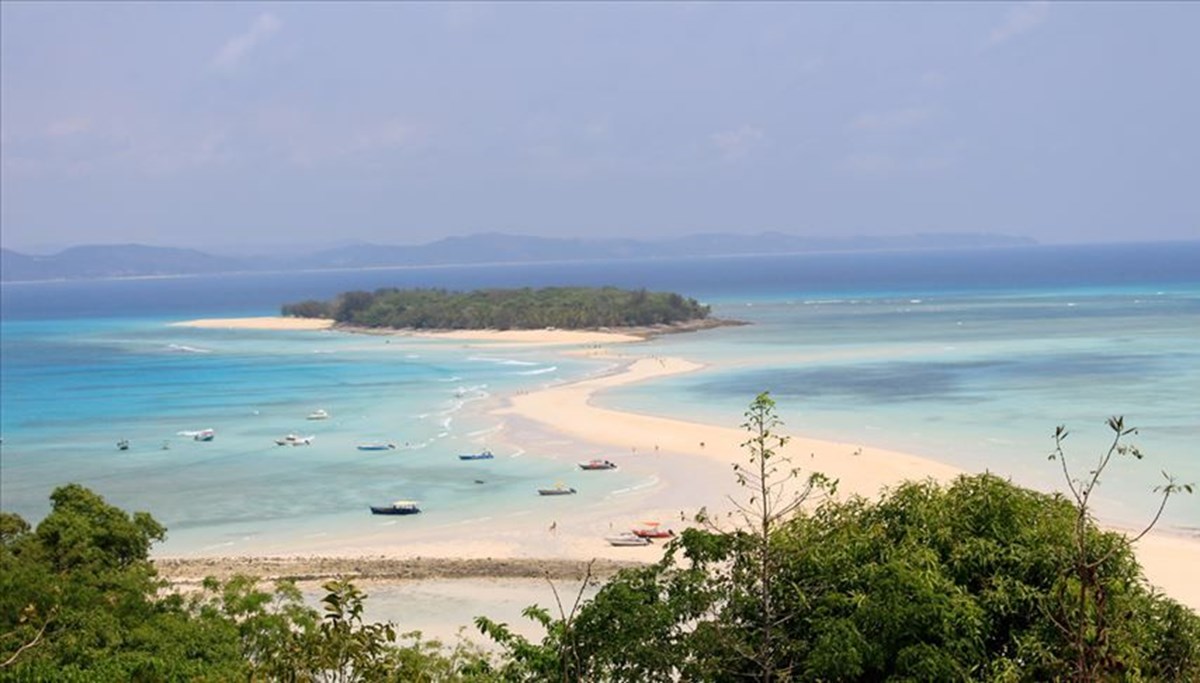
135,260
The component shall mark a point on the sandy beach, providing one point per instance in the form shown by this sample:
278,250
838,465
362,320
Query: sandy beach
262,323
549,336
688,465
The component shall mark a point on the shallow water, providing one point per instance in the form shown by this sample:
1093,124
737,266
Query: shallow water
971,358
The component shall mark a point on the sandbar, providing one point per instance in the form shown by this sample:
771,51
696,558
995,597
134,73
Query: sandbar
1166,557
690,464
260,323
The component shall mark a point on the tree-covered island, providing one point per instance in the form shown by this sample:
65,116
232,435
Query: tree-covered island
572,308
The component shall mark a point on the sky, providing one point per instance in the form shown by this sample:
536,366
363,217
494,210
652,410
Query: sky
226,124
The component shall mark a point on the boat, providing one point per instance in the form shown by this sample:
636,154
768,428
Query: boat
200,434
482,455
318,414
558,490
400,507
123,445
627,539
598,465
653,533
293,440
376,446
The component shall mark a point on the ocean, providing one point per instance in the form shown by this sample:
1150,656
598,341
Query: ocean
968,357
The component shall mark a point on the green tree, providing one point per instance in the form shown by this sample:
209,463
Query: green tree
976,580
79,601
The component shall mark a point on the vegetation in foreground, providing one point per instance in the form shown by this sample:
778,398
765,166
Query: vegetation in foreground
980,580
504,309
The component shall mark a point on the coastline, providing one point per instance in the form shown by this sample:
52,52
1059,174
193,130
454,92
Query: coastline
688,464
259,323
549,336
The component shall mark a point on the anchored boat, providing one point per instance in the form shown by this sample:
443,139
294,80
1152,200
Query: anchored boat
400,507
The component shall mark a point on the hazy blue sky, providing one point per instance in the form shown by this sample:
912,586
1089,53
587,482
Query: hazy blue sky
227,123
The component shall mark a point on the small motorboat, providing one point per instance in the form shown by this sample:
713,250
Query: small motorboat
598,465
558,490
482,455
400,507
293,440
653,533
376,446
200,434
627,539
123,445
318,414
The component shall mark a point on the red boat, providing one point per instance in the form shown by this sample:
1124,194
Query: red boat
654,532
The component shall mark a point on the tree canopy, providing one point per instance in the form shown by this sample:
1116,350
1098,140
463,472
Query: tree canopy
975,580
503,309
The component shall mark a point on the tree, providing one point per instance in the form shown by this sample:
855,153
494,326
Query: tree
976,580
1085,604
79,601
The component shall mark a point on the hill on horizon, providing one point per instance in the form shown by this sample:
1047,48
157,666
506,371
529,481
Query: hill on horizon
138,260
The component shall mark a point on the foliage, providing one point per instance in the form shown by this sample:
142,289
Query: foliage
977,580
502,309
1084,608
80,601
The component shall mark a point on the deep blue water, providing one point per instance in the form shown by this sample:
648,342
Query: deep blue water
875,274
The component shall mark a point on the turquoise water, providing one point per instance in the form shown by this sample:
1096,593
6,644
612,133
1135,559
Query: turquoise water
977,381
970,358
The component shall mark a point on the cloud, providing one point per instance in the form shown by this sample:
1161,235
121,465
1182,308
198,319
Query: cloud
1020,19
895,119
737,143
66,127
236,48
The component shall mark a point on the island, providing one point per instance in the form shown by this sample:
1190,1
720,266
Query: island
568,308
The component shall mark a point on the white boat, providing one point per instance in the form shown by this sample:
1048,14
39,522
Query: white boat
293,440
318,414
200,434
400,507
627,539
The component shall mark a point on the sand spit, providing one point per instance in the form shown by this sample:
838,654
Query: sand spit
262,323
194,570
550,336
569,409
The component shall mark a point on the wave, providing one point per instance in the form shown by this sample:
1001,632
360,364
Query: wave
539,371
649,483
500,361
187,349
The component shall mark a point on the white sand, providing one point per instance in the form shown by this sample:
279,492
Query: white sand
547,337
1168,559
524,338
690,464
263,323
568,408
